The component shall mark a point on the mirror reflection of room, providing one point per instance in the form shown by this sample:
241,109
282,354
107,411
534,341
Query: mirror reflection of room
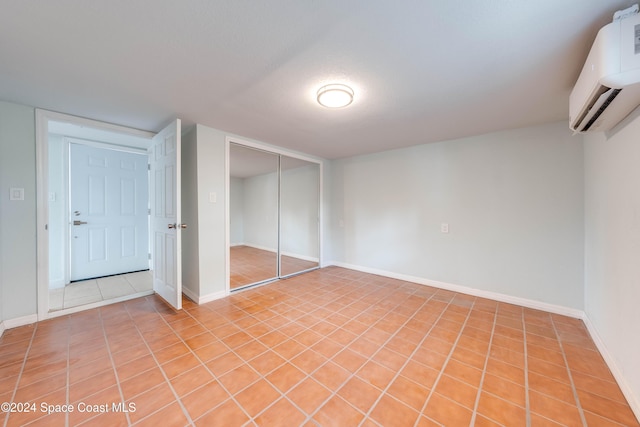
274,212
299,206
253,209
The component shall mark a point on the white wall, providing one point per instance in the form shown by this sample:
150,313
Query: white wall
513,201
260,216
211,178
254,205
17,218
236,211
612,246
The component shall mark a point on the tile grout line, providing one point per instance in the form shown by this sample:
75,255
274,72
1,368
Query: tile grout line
24,362
153,355
344,347
573,386
68,388
410,355
307,375
484,368
231,350
526,370
113,364
370,359
444,366
215,377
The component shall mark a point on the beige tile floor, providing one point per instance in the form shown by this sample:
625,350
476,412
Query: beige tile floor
104,288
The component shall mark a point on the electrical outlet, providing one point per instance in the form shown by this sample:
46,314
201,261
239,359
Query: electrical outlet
444,227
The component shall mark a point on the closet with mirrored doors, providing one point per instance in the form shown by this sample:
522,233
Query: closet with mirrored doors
274,212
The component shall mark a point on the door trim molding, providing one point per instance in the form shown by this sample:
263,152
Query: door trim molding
43,117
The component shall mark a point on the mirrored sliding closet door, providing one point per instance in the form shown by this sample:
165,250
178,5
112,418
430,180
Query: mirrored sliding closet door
299,207
274,216
253,210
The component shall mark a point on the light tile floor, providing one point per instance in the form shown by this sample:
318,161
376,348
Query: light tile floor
104,288
332,347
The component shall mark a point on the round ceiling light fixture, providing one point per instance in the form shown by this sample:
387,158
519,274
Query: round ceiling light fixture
335,96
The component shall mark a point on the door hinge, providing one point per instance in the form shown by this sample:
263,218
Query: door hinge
149,211
148,166
149,256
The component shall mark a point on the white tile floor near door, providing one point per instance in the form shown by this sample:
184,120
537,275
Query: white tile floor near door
95,290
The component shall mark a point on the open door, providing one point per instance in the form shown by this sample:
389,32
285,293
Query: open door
164,177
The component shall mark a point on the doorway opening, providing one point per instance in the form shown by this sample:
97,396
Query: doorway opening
98,218
94,208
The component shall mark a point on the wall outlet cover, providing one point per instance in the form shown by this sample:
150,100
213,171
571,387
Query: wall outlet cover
16,194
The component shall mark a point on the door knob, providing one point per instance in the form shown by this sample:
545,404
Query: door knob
177,226
76,222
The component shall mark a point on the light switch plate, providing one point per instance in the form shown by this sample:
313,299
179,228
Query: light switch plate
213,197
444,227
16,194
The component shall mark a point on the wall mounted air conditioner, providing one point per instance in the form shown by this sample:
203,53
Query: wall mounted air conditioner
608,88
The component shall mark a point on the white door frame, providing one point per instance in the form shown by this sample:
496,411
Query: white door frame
42,197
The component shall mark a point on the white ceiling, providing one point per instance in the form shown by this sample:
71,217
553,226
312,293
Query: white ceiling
422,70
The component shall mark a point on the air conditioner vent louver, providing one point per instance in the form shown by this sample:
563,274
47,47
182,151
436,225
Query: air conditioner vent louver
611,96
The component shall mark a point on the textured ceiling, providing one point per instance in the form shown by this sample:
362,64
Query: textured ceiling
422,70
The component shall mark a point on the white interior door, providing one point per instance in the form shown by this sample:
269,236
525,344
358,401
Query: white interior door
108,212
164,158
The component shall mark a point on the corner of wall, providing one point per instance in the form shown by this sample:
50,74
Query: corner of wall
632,399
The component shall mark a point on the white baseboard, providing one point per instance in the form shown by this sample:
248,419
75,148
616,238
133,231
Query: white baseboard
18,321
205,298
212,297
632,399
289,254
525,302
190,294
302,257
262,248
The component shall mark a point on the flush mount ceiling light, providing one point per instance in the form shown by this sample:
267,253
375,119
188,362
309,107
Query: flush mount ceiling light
335,96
